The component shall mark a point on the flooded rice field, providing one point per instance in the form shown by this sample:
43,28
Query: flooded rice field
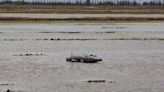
132,53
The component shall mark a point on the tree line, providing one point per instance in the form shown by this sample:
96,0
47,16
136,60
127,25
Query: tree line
86,2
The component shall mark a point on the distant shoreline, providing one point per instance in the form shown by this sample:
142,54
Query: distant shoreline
47,12
81,9
79,17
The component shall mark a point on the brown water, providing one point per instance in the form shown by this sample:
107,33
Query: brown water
133,65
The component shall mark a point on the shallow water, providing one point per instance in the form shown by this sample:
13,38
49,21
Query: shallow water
41,15
131,65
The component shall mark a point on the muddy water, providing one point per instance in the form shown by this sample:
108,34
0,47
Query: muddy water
129,65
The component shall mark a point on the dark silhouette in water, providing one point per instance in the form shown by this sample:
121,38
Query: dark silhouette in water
83,58
8,90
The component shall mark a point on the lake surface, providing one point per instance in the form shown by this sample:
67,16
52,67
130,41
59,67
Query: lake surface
132,53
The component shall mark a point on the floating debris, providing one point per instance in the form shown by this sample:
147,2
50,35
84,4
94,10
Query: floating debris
106,32
29,54
96,81
70,32
9,90
82,39
112,82
13,39
100,81
85,39
46,32
45,39
110,32
5,84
